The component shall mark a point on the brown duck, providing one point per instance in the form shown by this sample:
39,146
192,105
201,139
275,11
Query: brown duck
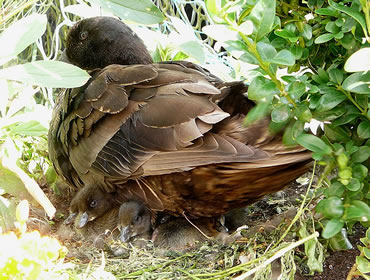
168,135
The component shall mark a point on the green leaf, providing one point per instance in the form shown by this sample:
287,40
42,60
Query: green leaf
44,73
214,8
30,128
303,113
336,189
363,130
307,31
358,211
353,185
7,214
280,114
332,27
140,11
283,57
324,38
332,228
332,207
220,32
363,264
262,89
340,241
359,17
20,35
359,61
361,154
360,171
246,27
336,75
337,134
296,51
291,36
327,12
330,100
296,90
313,143
358,82
193,49
266,51
262,16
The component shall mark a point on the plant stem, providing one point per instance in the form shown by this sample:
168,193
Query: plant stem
349,96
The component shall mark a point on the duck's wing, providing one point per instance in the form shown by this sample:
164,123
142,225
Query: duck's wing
140,120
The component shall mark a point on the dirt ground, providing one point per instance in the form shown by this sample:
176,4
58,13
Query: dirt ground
336,266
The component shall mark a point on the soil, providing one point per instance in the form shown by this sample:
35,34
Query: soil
336,266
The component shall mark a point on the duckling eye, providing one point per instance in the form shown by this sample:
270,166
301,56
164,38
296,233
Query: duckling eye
83,35
137,219
93,203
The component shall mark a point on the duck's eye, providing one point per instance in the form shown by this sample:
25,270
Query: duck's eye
93,203
137,219
83,35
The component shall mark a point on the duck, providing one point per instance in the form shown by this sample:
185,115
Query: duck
169,135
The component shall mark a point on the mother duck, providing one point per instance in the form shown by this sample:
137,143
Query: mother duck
169,135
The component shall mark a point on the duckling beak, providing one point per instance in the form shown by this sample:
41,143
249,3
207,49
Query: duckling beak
69,219
125,234
83,220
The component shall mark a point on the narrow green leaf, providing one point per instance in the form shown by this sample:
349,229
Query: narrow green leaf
324,38
363,130
262,89
359,17
327,12
30,128
140,11
330,100
313,143
359,61
55,74
263,17
20,35
332,228
337,134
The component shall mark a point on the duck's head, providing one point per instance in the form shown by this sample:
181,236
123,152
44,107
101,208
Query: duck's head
134,219
100,41
90,203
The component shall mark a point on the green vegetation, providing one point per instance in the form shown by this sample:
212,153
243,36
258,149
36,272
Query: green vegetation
303,60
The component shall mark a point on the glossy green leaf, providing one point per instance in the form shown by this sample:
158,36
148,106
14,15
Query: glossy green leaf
330,100
262,89
363,264
354,185
359,17
340,241
358,82
296,51
140,11
303,113
307,31
296,90
332,228
332,27
20,35
313,143
337,134
283,57
44,73
336,189
363,130
327,12
324,38
360,171
266,51
358,211
333,207
291,36
361,154
193,49
359,61
280,114
335,75
262,16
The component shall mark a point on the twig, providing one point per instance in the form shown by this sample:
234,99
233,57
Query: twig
277,255
205,235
